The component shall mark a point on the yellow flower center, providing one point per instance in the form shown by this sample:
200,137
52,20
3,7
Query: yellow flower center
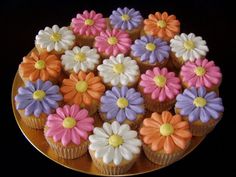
199,102
115,140
161,23
166,129
160,80
80,57
189,45
89,22
69,122
199,71
150,46
55,37
40,64
81,86
122,103
125,17
39,95
112,40
119,68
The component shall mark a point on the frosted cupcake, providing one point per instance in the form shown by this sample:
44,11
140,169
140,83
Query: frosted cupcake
159,89
114,148
202,109
36,101
67,131
165,137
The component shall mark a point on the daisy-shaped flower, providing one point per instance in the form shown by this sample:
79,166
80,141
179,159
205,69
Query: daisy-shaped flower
114,142
39,97
69,124
162,25
162,85
165,132
113,42
119,70
80,59
55,38
197,104
188,47
201,73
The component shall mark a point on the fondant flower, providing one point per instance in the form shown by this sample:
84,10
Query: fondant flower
114,142
69,124
197,104
162,25
160,83
39,97
150,49
165,132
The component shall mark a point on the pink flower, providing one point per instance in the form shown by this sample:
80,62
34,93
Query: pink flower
70,123
160,83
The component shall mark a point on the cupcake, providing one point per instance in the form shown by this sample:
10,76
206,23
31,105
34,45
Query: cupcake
123,105
165,137
114,148
201,108
128,20
54,40
159,89
67,131
150,52
113,42
36,101
163,26
84,90
87,26
199,73
187,48
119,71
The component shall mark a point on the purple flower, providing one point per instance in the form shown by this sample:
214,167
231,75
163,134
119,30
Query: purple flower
125,18
198,104
39,97
121,103
150,49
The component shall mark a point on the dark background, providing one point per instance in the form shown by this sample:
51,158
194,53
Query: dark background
20,22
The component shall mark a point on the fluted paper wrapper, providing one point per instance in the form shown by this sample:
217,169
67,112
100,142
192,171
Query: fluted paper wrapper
203,129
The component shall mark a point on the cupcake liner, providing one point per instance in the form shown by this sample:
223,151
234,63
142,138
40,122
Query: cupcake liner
177,62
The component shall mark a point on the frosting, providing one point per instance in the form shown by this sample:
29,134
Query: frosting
160,83
113,42
201,72
162,25
88,23
197,104
42,66
121,104
55,38
165,132
69,124
119,70
150,49
188,47
114,142
39,97
80,59
125,19
82,88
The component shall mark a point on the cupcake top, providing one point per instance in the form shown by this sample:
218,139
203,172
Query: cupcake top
165,133
121,104
55,38
82,89
188,47
162,25
119,70
126,19
201,72
197,104
150,49
69,124
39,97
113,42
161,84
114,143
42,66
80,59
88,23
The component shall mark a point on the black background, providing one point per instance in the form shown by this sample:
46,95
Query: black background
20,22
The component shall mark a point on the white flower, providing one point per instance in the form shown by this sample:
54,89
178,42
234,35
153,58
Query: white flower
114,142
189,47
119,70
78,59
55,38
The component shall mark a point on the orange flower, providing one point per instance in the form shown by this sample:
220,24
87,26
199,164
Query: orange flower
40,66
162,25
82,88
165,132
